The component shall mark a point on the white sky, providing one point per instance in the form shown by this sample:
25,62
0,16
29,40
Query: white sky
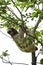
16,55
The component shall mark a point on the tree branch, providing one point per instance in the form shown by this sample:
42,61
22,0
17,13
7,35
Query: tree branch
42,6
17,8
8,19
4,34
7,61
34,37
38,54
39,20
14,14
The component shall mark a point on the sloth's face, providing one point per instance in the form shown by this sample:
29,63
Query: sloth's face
12,31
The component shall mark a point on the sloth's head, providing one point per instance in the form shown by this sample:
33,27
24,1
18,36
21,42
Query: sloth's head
12,31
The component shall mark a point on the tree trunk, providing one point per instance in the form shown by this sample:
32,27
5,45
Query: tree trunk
33,58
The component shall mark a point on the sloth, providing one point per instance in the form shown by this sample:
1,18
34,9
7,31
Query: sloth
23,42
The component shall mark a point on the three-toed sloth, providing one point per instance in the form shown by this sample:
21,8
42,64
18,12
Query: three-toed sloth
23,42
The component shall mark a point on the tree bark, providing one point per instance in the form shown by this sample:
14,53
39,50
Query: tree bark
33,58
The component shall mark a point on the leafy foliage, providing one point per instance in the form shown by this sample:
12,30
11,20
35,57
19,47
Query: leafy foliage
5,53
41,50
10,19
23,0
41,61
4,2
40,35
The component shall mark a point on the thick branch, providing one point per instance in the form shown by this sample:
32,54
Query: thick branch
38,55
33,58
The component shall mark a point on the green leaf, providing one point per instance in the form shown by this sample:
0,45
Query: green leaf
37,10
36,43
3,2
5,53
42,32
41,1
41,15
34,1
29,4
38,33
23,0
42,52
41,61
34,14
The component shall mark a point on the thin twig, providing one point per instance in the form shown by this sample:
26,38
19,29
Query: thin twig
6,61
38,54
39,20
14,14
27,17
19,63
9,20
17,9
4,34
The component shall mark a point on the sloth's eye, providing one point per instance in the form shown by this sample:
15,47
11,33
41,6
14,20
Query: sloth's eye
9,31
